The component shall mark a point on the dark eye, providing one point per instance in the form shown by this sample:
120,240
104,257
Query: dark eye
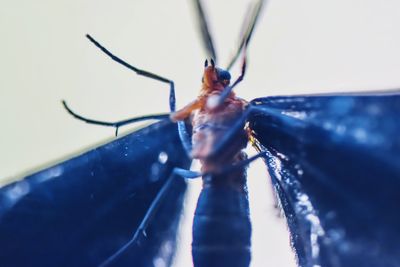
223,75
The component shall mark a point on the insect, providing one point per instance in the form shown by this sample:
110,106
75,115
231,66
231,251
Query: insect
218,138
333,161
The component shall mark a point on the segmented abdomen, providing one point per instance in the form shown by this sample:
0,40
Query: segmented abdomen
221,228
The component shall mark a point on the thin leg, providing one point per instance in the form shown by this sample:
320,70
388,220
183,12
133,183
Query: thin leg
204,29
240,164
192,175
188,174
139,71
237,126
141,230
116,124
183,134
185,138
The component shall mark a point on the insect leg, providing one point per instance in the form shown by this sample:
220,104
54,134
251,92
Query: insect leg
158,200
141,230
240,164
237,126
183,134
138,71
116,124
192,174
187,173
185,138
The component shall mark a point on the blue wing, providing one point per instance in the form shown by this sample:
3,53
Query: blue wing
334,161
79,212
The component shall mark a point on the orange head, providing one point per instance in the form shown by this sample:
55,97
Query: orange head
215,78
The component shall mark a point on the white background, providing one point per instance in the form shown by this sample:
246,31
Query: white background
299,46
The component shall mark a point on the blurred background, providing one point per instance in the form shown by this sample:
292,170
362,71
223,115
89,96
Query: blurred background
299,47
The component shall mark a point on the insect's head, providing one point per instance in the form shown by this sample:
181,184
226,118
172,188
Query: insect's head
215,77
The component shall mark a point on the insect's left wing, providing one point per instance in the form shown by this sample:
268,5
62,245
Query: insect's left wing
334,161
79,212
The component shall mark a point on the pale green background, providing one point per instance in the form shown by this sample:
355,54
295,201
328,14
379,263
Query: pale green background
300,46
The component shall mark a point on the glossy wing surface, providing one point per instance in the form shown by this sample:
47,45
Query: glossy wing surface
79,212
334,161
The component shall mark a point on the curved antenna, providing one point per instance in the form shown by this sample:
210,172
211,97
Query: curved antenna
205,31
116,124
249,24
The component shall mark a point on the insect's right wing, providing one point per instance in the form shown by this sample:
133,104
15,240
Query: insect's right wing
334,161
81,211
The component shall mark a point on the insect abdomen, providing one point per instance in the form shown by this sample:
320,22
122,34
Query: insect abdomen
221,228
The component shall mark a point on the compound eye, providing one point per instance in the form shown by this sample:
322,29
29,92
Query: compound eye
224,75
